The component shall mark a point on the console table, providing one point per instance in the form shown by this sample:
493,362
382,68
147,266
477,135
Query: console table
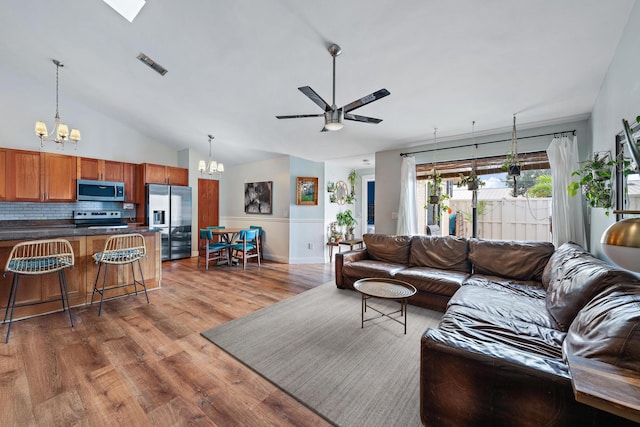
351,243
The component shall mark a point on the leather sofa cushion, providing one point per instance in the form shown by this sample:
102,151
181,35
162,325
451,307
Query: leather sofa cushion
512,260
388,248
505,304
445,253
432,280
528,288
511,335
369,268
574,278
608,328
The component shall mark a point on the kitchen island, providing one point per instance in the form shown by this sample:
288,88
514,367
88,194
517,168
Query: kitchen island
80,279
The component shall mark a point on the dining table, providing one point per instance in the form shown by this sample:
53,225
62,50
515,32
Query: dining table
227,234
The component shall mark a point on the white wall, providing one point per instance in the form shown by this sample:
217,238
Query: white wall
24,101
388,163
306,227
276,226
619,98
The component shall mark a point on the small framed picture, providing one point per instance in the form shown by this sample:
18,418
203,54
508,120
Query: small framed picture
307,190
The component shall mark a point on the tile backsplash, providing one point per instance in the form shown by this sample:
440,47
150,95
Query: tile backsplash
33,210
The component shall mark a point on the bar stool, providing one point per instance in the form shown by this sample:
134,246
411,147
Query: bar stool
120,249
34,258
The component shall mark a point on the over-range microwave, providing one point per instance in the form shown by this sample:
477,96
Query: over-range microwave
100,190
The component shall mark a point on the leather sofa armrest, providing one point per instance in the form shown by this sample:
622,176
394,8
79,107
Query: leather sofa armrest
345,257
466,382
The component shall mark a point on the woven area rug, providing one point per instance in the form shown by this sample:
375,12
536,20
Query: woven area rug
312,347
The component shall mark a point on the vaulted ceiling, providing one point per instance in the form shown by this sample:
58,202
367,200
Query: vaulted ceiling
234,65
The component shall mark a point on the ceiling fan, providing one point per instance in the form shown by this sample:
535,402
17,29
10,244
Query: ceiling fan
333,116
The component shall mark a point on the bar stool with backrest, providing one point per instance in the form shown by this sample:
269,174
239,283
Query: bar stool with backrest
120,249
213,250
34,258
246,246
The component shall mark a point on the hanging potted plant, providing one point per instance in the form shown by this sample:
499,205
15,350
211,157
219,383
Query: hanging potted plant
346,219
511,164
436,196
595,179
473,182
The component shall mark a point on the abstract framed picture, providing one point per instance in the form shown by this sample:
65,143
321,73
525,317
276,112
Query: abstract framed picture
306,190
258,198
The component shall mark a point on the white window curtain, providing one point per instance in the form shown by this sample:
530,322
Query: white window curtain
408,210
567,220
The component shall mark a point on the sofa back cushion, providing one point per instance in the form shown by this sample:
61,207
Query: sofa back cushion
574,277
608,328
511,260
444,253
388,248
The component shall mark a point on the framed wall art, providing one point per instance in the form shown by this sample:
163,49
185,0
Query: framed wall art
258,198
307,190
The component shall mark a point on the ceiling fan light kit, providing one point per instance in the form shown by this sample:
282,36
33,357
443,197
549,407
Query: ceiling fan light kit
334,116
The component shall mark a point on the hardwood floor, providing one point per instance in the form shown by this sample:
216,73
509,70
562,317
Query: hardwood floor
146,364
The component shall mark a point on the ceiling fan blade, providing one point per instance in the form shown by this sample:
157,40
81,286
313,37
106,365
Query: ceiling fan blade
299,116
312,95
362,119
366,100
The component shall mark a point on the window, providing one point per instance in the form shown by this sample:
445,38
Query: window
500,215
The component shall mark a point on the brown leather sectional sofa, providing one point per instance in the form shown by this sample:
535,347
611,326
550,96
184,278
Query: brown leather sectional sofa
513,311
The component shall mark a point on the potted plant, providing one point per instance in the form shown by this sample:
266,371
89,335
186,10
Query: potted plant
352,178
473,182
595,179
347,220
331,187
512,164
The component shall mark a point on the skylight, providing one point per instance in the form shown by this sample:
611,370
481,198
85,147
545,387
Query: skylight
129,9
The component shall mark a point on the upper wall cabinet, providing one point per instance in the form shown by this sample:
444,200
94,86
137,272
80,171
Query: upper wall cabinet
23,176
159,174
59,178
3,174
32,176
130,173
101,170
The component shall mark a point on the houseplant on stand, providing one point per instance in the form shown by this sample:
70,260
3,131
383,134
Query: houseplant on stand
346,219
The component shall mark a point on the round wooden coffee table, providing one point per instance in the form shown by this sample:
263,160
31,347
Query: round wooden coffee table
385,289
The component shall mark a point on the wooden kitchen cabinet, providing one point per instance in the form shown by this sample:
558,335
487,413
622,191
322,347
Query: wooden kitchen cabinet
129,178
160,174
3,174
32,176
59,178
23,176
100,170
178,176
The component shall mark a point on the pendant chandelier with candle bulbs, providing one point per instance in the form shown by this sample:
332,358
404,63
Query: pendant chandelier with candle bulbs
60,132
210,166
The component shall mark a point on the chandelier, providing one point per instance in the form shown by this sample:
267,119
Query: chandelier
60,132
210,166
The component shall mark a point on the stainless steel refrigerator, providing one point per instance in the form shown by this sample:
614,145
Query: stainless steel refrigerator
169,209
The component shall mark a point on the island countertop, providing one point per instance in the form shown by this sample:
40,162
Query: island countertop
50,232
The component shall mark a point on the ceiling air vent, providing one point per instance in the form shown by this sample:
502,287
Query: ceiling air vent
151,63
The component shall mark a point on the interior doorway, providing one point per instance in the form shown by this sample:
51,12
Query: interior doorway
367,221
